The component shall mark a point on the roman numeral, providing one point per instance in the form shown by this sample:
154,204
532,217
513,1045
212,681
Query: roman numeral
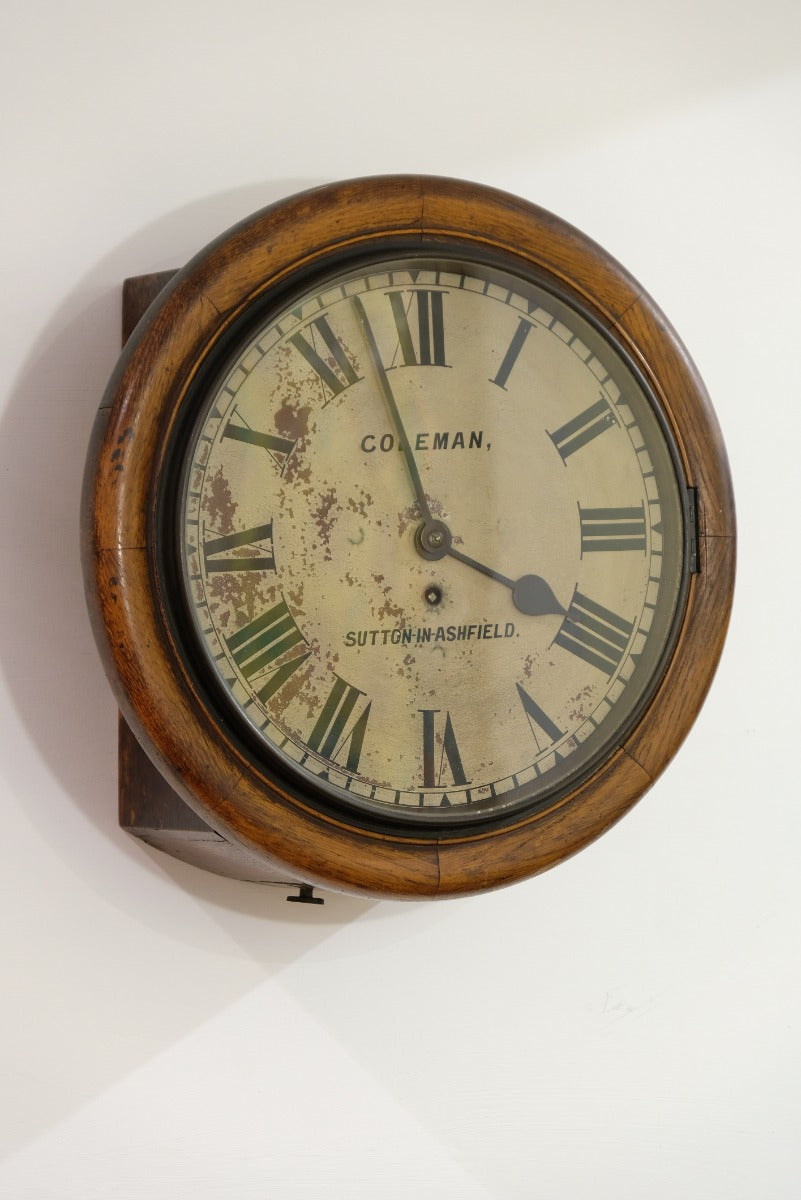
336,370
612,529
430,327
250,538
264,640
583,428
538,719
432,770
513,353
278,448
594,633
330,733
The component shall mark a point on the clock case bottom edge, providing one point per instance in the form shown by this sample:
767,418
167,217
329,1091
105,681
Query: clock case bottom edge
151,810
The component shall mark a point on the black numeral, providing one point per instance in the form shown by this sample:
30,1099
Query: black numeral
278,448
264,640
612,529
594,633
582,429
513,353
336,375
214,548
432,770
538,719
430,327
330,733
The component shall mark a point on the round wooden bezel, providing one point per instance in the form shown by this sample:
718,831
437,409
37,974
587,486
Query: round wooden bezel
169,713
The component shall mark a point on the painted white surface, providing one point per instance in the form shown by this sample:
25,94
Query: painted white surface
626,1026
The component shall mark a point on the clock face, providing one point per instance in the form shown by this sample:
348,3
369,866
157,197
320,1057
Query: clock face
432,541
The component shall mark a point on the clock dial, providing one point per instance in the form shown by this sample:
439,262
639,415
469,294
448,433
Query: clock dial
432,540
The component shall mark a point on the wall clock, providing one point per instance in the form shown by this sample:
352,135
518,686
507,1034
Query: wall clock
408,540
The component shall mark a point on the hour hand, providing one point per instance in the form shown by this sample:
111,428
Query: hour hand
531,594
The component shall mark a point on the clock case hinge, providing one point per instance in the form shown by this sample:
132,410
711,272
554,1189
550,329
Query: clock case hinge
692,533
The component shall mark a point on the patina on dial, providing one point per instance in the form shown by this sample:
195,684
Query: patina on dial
432,540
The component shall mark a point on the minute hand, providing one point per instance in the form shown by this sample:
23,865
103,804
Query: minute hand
386,387
530,593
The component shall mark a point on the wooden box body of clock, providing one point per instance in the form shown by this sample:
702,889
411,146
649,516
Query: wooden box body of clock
149,808
356,304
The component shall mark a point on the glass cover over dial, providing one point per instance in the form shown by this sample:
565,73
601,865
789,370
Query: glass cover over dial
432,540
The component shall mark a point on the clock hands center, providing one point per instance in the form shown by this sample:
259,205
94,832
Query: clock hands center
531,594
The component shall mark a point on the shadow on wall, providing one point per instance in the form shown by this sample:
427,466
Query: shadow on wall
47,649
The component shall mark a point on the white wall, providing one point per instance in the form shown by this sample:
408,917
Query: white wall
626,1026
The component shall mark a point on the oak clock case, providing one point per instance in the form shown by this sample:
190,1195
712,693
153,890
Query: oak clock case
409,544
